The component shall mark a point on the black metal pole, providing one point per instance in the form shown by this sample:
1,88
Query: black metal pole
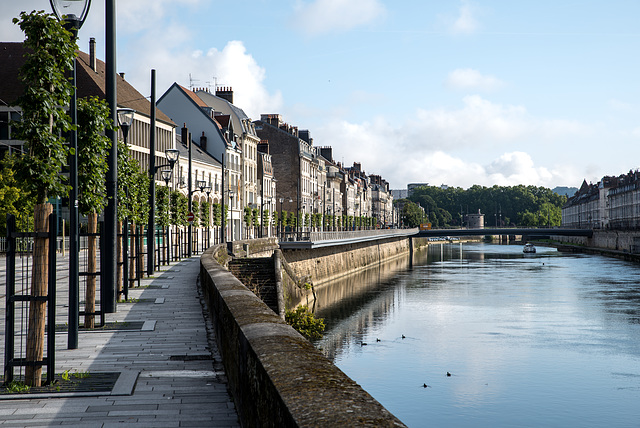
74,286
151,226
189,183
51,303
108,286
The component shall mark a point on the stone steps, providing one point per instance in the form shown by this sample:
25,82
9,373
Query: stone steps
258,275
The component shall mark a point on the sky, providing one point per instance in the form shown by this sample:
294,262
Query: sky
454,92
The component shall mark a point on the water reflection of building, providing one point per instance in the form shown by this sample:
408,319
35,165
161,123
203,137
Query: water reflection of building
356,304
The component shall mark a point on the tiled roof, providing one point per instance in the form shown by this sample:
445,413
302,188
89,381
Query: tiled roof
90,83
196,99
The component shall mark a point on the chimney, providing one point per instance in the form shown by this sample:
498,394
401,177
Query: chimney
185,135
203,142
225,93
92,53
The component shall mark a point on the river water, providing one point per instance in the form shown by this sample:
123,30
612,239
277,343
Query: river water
549,339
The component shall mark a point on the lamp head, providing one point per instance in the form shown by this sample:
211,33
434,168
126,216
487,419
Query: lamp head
166,175
73,12
201,184
125,116
172,156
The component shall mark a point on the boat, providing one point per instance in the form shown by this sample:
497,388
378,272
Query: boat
529,248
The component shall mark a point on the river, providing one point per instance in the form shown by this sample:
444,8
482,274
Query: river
549,339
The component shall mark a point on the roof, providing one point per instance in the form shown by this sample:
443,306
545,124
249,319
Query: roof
89,82
197,153
196,99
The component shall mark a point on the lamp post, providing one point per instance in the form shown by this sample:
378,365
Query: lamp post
231,195
172,157
280,216
206,188
201,184
166,176
73,13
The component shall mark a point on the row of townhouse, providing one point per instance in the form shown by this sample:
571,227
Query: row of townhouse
263,164
310,181
612,203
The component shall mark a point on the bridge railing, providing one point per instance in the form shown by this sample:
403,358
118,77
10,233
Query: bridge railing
351,234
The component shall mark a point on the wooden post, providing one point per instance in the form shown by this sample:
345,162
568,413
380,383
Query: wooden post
90,294
38,309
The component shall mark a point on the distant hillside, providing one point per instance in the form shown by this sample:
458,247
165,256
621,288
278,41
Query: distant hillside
568,191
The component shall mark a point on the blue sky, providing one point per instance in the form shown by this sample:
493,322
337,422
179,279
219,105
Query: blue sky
454,92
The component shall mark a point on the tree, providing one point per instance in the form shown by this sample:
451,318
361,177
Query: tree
47,90
93,148
205,217
265,217
411,214
247,217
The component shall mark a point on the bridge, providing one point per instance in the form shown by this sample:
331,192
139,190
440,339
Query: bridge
531,232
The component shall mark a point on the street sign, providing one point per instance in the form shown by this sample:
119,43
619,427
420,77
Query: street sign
191,217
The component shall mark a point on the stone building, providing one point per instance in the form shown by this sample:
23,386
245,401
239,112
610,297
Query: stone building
294,163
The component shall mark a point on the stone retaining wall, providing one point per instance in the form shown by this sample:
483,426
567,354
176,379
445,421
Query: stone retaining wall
617,240
277,377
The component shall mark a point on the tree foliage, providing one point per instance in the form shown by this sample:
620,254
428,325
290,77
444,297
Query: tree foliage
47,92
14,199
133,188
500,204
305,322
93,147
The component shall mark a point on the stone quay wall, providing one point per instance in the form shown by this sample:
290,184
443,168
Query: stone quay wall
276,376
616,240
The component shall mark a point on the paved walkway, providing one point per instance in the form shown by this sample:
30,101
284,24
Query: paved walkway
171,371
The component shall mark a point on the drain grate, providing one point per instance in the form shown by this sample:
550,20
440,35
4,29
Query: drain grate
196,357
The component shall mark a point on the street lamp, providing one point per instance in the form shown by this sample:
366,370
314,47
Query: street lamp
280,216
206,188
73,13
125,119
231,195
172,157
166,177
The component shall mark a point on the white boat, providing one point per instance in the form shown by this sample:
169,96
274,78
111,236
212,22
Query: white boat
529,248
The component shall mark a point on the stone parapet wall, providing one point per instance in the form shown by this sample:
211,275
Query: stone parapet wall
278,378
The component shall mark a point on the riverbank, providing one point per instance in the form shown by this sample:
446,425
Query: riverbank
277,377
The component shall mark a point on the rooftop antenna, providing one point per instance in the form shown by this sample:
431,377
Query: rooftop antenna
191,82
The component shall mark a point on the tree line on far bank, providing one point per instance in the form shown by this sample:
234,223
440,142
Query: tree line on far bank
502,206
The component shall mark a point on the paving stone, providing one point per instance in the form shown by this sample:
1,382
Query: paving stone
175,328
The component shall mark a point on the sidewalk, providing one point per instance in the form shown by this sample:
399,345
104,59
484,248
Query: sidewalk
171,374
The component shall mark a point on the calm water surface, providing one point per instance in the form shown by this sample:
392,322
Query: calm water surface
549,339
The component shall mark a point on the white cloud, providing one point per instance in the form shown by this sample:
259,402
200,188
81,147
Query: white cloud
468,78
479,143
466,22
176,62
326,16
